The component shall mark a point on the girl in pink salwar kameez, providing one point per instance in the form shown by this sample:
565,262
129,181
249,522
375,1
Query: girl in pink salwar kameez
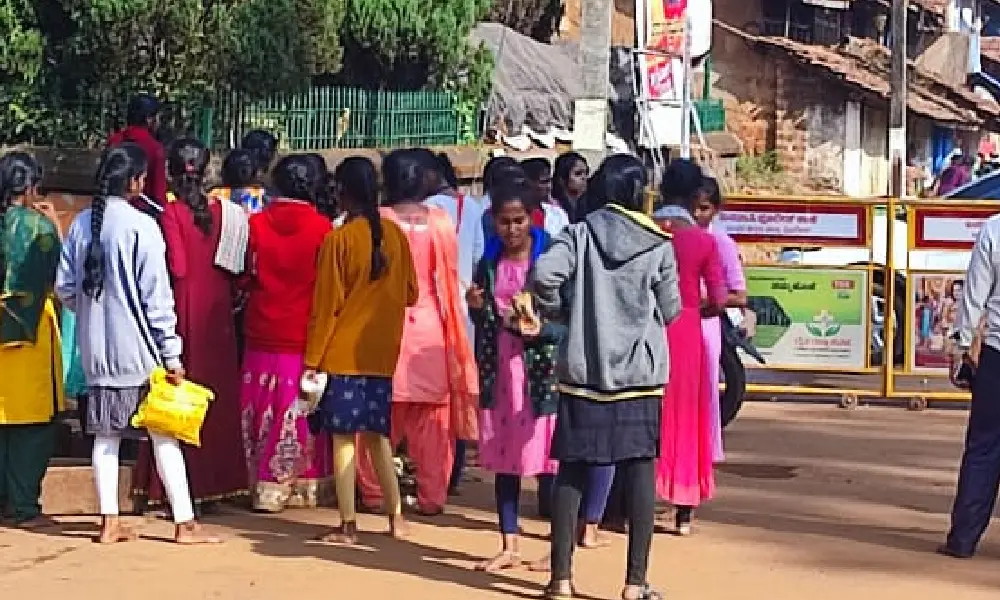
684,470
435,390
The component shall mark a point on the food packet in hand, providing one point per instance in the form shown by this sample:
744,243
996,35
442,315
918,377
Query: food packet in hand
311,392
527,321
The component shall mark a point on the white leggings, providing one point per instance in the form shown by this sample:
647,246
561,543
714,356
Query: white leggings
169,464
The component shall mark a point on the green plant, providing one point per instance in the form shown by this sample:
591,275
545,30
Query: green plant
759,170
22,49
758,164
535,18
415,44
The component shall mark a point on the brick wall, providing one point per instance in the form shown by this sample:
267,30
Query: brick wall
775,104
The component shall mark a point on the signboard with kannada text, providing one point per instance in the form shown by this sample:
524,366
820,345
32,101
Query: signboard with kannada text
939,228
776,222
809,318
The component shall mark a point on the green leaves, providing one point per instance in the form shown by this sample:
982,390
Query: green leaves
67,66
415,44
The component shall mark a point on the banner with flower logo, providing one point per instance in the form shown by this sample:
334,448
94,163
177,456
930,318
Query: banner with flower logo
809,318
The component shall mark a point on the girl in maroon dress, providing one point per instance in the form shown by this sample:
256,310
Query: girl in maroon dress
194,226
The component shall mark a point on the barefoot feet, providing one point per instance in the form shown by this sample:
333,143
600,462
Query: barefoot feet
347,534
193,534
506,559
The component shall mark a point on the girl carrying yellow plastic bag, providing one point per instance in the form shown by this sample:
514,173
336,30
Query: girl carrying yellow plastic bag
177,411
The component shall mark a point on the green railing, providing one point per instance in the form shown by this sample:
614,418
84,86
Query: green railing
331,117
320,118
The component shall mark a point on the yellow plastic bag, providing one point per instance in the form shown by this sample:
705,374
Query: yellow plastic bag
177,411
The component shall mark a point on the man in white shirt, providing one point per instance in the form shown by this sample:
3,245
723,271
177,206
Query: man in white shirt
979,476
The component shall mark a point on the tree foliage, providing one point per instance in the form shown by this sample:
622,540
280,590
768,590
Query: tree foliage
193,49
414,44
22,51
535,18
60,53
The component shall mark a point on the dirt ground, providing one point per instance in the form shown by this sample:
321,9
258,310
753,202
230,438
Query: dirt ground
815,502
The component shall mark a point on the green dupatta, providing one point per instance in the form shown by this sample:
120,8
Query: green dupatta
30,248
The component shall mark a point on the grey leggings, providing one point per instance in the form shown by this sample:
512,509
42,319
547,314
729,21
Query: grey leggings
637,476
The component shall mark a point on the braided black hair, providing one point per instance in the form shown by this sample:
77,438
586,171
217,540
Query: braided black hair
357,181
297,177
323,191
119,166
19,173
186,167
238,169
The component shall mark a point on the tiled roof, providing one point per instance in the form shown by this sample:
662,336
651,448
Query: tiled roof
864,65
989,48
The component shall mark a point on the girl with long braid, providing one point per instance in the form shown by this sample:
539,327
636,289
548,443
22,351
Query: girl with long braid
287,466
365,281
113,275
30,355
200,233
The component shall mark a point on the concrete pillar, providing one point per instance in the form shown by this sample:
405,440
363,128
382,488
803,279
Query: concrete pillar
595,55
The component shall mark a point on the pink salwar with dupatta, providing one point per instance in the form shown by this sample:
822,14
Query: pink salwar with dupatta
684,470
436,387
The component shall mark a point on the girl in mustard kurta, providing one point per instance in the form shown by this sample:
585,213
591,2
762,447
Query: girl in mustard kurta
364,282
30,355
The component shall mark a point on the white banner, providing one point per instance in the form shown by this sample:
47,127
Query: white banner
951,229
792,224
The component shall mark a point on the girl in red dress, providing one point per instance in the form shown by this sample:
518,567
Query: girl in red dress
194,225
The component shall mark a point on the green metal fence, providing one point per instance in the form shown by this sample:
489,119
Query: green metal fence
320,118
330,117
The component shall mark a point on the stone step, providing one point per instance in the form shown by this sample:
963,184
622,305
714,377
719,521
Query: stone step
68,488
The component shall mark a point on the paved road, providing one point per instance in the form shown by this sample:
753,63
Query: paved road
815,503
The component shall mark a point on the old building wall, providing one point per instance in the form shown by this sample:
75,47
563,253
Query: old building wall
776,104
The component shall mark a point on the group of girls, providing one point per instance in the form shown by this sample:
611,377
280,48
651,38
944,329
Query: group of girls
397,304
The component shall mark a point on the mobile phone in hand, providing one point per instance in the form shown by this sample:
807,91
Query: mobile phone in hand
964,374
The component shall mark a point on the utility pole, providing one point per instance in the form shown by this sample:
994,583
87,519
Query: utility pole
897,101
595,57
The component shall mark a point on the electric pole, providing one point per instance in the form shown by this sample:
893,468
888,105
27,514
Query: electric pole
897,101
595,57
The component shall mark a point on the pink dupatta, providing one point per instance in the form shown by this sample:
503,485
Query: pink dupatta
463,377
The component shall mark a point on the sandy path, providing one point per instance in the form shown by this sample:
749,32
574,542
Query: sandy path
815,503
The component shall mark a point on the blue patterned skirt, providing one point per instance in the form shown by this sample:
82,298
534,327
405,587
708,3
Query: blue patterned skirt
353,404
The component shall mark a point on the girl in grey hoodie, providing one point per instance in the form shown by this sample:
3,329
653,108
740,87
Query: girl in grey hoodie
613,279
113,275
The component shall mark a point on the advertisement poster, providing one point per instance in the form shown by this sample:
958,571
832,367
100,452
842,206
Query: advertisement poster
809,318
665,20
935,307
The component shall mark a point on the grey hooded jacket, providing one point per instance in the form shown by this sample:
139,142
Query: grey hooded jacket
613,279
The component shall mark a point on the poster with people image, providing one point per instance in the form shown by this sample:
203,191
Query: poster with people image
935,307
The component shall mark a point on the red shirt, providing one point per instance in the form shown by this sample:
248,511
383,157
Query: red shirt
285,239
156,174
